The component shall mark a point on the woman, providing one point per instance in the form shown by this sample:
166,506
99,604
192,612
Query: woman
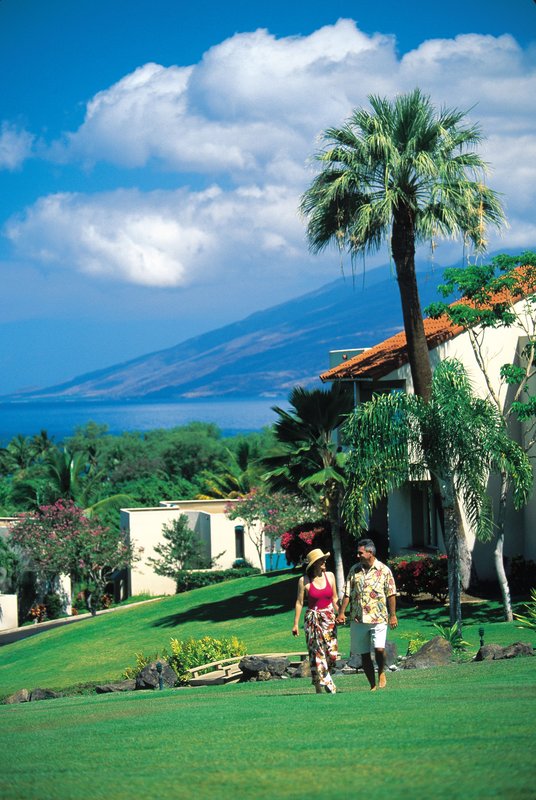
319,589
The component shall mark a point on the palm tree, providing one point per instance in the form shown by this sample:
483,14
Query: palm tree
406,171
18,455
455,436
308,460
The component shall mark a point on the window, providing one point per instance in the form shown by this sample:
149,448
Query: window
423,516
239,541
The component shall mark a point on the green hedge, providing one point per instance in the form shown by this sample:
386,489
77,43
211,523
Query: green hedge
195,580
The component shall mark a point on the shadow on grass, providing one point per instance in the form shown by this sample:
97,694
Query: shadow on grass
264,601
488,611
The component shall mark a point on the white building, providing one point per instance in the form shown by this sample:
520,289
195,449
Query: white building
407,518
218,534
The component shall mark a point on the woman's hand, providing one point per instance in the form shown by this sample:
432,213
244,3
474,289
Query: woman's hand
295,631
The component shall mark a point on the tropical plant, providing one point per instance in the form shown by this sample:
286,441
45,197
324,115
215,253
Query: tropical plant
489,295
528,620
408,172
455,436
453,635
308,460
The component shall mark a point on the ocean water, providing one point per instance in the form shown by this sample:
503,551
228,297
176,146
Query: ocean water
61,419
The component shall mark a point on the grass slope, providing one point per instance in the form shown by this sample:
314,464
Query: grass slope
463,731
257,609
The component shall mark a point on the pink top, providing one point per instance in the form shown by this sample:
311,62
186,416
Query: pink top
319,598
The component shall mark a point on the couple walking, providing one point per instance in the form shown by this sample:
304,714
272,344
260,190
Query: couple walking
371,592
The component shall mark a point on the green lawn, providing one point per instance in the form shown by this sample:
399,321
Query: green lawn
258,609
463,731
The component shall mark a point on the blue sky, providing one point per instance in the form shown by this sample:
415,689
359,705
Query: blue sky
152,155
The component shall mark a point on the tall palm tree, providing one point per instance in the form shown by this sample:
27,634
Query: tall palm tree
408,172
307,460
455,436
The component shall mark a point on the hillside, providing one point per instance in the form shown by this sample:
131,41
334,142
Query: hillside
266,353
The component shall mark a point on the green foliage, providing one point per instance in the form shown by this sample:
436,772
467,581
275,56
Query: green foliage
452,634
53,605
181,550
528,619
400,160
141,661
187,580
398,437
10,566
415,640
190,653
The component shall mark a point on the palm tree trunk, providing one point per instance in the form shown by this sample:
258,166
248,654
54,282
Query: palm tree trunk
498,552
403,250
337,553
450,535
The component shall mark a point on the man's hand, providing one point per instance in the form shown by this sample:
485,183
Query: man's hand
341,618
393,621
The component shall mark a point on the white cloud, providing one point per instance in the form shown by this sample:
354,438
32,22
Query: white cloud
247,117
164,238
15,146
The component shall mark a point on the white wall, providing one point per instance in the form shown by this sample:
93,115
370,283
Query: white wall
500,346
205,517
9,615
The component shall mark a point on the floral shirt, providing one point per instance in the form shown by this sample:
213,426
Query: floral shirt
368,591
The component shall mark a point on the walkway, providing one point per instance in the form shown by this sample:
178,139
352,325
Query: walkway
14,634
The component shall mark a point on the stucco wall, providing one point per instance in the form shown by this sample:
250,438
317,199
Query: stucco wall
206,518
500,346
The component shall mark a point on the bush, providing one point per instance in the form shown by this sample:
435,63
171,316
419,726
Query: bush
195,580
242,563
188,654
194,652
421,574
53,605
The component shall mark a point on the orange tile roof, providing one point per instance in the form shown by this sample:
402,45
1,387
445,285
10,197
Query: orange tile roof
391,354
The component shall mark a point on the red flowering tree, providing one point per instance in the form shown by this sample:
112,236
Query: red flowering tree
300,539
60,539
267,515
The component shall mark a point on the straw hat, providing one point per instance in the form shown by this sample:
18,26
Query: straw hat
314,556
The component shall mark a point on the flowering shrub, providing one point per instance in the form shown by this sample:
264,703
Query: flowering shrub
60,538
38,612
421,574
300,539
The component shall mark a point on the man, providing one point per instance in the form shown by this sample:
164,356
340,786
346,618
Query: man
370,589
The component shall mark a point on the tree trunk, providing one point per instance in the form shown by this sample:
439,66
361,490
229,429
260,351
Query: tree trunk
498,552
337,555
403,250
451,536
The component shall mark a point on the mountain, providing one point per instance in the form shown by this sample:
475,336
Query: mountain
264,354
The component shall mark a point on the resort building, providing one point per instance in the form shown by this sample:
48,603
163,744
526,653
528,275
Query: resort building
407,518
226,539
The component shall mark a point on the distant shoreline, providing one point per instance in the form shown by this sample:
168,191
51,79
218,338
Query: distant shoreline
60,418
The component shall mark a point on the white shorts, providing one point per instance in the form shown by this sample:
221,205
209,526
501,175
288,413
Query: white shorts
365,636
